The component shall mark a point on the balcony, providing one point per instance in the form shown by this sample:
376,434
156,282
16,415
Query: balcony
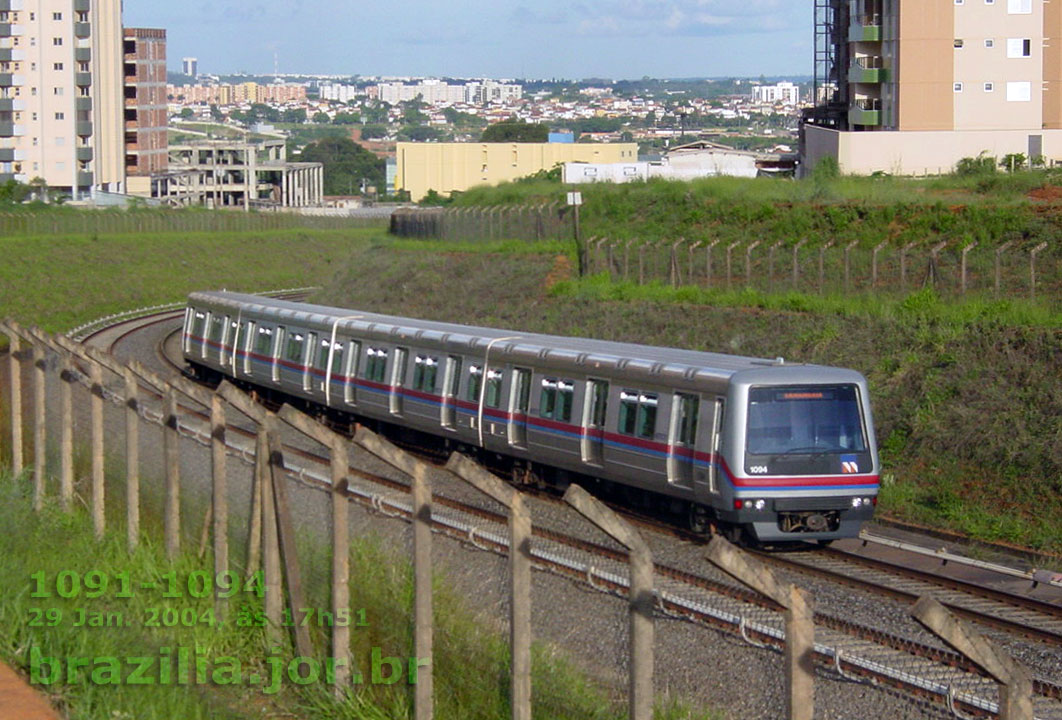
867,69
12,5
82,79
83,129
12,104
11,155
81,6
82,54
84,178
865,28
865,112
84,153
82,30
9,129
83,103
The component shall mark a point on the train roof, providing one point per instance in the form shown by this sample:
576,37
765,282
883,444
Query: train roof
633,357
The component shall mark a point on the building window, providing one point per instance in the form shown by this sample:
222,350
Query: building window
1019,92
60,166
57,91
958,2
958,42
60,141
1019,7
60,116
57,41
1019,47
57,16
57,66
989,87
957,87
990,43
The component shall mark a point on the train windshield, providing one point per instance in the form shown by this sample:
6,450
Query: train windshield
798,420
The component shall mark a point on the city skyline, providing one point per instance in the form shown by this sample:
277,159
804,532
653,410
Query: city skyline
618,39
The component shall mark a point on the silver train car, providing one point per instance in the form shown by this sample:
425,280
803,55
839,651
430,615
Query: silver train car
761,448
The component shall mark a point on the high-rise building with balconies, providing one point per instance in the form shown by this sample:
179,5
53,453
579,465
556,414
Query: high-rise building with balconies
913,86
61,94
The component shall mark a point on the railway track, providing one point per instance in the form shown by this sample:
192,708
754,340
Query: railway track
854,650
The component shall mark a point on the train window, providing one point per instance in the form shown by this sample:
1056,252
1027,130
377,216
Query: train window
263,345
311,356
475,381
320,360
198,324
628,412
217,327
799,420
451,386
646,415
547,400
637,414
598,403
494,384
295,347
425,369
231,333
686,409
565,399
376,364
398,379
189,314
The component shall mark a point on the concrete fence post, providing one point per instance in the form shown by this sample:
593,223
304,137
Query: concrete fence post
796,262
14,371
962,271
1015,692
848,265
729,253
642,599
66,433
799,623
933,272
708,262
99,503
520,574
340,464
423,701
999,263
40,426
690,261
903,264
748,262
770,262
822,265
1032,267
874,264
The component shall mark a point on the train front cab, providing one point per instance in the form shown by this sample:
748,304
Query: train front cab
799,457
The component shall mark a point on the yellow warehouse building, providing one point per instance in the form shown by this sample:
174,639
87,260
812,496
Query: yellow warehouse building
450,167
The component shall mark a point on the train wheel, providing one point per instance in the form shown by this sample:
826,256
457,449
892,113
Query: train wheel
698,519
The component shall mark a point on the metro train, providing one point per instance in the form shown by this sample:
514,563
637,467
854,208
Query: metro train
765,450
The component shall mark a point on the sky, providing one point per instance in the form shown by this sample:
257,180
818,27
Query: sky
518,39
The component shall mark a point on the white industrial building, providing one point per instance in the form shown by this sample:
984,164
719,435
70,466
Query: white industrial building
784,93
687,162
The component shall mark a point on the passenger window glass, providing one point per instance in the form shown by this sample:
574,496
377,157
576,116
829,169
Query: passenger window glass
217,325
375,364
547,401
689,407
264,344
565,398
425,370
494,384
646,415
628,412
199,324
475,381
294,348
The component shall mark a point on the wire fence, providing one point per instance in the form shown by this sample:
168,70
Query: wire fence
140,221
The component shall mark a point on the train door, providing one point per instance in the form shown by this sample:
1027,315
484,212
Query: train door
595,408
682,437
519,406
278,344
451,386
308,361
398,379
714,459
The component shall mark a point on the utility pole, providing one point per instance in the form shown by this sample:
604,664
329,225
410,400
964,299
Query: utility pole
575,199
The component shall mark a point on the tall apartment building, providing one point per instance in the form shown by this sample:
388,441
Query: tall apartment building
146,123
912,86
61,94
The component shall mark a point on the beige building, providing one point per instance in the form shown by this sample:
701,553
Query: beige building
61,88
455,167
912,86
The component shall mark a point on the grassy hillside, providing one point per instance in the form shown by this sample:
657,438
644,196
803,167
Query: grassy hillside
61,281
968,408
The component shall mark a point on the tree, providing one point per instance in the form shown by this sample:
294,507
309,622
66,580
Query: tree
295,115
515,131
370,132
346,165
321,118
420,133
345,119
186,113
216,113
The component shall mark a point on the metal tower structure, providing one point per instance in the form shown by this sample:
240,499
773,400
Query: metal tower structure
831,65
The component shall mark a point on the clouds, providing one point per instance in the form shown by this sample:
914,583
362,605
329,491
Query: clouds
506,38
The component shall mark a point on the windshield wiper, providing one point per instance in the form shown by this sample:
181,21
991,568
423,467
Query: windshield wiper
814,452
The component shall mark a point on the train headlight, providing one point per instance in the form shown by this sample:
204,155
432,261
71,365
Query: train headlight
856,502
761,504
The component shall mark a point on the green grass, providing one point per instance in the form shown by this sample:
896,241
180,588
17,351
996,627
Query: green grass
59,282
471,660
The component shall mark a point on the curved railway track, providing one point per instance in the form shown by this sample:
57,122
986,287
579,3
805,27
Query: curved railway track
853,649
